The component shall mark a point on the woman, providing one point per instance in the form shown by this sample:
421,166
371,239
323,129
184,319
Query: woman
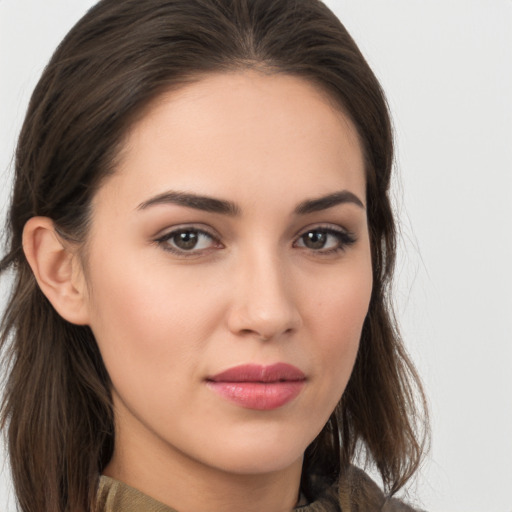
203,242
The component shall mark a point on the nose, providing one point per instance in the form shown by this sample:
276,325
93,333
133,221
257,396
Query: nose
263,300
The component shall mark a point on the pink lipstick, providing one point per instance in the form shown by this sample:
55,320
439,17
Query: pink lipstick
259,387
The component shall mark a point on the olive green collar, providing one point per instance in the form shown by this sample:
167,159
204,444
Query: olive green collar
355,492
116,496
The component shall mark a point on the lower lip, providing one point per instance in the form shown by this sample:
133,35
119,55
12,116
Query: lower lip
261,396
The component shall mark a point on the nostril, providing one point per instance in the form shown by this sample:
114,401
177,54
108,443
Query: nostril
265,336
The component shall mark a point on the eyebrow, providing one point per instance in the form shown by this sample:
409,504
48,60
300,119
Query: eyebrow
205,203
224,207
325,202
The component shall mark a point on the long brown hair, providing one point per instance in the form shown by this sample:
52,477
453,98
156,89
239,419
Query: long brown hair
57,405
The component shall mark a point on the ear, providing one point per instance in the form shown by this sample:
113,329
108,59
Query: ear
57,269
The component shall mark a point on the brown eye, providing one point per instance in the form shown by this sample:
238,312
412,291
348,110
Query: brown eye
315,239
187,240
325,240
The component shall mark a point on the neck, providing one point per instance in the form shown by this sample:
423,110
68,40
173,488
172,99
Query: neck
187,485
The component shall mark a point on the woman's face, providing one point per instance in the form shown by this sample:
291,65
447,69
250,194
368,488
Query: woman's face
229,274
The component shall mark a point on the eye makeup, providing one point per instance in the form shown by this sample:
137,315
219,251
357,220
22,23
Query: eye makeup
192,241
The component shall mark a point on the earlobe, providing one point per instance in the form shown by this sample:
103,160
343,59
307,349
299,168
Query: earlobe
56,269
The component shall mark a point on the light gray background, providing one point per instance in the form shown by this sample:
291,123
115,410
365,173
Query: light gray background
446,66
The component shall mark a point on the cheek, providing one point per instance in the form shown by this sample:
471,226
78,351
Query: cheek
152,327
147,319
336,317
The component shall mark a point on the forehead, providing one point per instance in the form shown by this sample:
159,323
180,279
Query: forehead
227,133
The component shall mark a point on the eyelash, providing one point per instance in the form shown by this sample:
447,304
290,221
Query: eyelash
165,241
344,240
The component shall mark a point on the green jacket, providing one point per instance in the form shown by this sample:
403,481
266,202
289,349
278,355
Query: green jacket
355,492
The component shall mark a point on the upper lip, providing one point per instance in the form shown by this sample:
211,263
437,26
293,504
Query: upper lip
278,372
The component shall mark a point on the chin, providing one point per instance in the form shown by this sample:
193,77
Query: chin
258,457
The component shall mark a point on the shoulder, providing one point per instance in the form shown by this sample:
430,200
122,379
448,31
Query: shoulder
359,493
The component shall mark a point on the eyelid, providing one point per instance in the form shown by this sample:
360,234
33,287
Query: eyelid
202,228
164,236
324,226
349,237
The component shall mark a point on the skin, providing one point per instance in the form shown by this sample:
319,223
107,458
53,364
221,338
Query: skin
251,291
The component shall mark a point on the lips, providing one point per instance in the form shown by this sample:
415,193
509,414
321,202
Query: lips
258,387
